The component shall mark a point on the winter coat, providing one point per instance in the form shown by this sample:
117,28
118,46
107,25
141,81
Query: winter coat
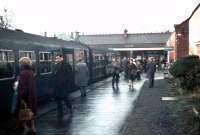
81,74
132,71
151,69
27,88
116,67
62,79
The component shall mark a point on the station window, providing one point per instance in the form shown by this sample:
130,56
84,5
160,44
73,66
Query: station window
31,55
6,63
45,62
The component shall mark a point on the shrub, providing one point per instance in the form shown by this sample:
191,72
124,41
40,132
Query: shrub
187,70
182,66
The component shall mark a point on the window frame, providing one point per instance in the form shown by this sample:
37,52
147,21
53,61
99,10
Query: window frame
43,60
6,60
32,60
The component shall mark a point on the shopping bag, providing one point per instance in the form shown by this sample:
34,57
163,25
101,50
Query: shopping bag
25,114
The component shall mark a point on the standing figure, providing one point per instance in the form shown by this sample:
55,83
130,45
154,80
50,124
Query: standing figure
151,69
27,90
63,75
132,72
124,66
81,76
139,69
115,72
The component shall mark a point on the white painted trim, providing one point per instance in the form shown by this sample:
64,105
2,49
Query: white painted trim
142,49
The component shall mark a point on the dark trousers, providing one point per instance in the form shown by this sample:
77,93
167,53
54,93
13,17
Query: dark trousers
138,75
151,81
115,79
83,90
60,105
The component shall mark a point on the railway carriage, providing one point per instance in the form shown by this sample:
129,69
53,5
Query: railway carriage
42,51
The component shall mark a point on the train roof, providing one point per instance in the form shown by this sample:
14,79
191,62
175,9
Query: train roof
21,37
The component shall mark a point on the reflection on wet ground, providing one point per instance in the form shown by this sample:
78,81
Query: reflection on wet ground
101,112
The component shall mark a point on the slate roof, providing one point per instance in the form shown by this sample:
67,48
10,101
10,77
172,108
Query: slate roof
130,39
21,37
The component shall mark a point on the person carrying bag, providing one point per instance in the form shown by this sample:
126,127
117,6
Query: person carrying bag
26,96
25,113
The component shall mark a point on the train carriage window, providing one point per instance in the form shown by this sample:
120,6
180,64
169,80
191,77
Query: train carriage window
69,59
45,62
79,54
6,63
31,55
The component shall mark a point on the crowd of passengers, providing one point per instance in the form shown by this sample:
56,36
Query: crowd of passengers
133,68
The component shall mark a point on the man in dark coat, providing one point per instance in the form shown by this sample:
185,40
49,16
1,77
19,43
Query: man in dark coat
151,69
63,74
115,72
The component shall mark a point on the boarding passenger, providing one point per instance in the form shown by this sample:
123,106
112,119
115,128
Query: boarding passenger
63,75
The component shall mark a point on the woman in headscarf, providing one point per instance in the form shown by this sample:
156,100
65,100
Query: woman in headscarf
27,89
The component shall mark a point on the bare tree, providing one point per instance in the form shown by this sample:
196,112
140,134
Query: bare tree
5,20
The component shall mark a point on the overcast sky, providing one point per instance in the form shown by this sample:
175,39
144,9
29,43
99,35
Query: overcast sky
97,16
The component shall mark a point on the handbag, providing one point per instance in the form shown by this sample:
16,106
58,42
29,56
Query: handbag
25,114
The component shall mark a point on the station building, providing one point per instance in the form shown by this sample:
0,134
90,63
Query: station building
138,45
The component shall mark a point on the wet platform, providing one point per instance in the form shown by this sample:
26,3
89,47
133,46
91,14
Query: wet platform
104,111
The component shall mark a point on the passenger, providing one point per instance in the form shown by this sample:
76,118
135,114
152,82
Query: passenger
145,64
27,91
151,69
63,75
124,66
139,70
81,76
115,72
132,70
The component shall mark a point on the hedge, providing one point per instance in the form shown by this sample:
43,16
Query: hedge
187,70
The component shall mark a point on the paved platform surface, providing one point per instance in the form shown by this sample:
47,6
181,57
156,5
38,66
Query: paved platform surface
107,111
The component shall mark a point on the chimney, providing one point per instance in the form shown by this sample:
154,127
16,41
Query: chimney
54,36
72,36
45,34
77,36
125,32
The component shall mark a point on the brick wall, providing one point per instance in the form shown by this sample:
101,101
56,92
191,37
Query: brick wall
182,39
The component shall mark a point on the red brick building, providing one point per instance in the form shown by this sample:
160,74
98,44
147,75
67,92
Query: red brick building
186,38
182,39
179,40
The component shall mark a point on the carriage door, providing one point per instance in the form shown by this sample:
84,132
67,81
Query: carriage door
69,58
